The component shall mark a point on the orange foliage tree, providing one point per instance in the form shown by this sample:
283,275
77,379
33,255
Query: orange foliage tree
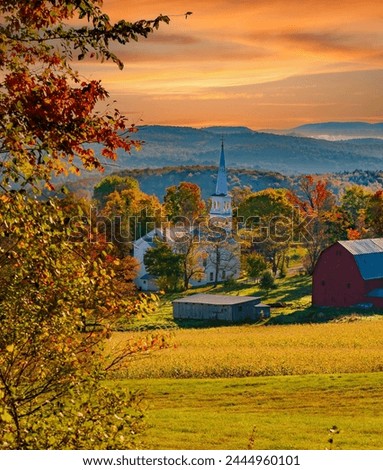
184,201
321,219
129,214
48,116
62,289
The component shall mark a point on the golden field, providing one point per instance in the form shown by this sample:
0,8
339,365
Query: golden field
252,351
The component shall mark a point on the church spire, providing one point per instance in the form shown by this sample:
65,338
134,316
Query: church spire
221,187
221,209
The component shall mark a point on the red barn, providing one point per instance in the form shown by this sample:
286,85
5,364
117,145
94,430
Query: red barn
349,273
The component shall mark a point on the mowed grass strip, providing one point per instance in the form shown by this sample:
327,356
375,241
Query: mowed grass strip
293,412
252,351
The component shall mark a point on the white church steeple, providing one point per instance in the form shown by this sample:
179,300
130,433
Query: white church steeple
221,208
221,187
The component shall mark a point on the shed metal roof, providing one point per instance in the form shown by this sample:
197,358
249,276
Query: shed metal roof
368,256
212,299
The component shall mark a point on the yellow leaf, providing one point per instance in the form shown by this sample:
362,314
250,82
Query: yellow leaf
6,417
10,348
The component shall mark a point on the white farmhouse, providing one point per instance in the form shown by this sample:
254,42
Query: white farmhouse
144,280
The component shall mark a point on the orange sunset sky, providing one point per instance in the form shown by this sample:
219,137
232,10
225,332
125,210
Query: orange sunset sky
265,64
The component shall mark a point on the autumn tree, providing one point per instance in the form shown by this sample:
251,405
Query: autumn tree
185,241
183,208
255,265
161,261
127,215
59,301
354,206
48,109
111,184
193,259
321,223
329,221
354,201
374,214
221,255
184,201
314,195
267,225
59,297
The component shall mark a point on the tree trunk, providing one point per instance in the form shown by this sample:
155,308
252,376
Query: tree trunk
217,265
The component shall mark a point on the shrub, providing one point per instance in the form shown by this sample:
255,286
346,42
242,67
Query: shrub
267,280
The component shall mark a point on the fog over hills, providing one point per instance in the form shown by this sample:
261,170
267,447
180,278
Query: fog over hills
335,130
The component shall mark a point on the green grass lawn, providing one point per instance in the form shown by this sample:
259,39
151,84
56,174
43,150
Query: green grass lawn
292,412
291,383
294,291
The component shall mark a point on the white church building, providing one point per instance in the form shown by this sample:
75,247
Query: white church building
217,251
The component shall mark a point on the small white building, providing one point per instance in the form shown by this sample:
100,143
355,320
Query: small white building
144,280
219,259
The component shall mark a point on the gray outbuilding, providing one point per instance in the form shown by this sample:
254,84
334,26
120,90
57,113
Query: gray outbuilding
234,309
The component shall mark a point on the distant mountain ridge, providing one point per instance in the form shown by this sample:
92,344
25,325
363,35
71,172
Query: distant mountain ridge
246,148
222,130
336,130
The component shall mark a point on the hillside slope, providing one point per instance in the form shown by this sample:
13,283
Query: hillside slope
244,148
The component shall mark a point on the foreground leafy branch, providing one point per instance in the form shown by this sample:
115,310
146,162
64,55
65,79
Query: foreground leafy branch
62,287
47,110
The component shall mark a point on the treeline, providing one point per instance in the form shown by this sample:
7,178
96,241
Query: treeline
156,180
266,223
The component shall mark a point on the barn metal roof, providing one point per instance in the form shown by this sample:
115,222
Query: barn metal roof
375,293
368,256
212,299
363,247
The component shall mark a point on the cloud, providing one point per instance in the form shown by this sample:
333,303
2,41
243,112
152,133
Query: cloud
172,49
350,43
251,61
278,104
174,39
298,35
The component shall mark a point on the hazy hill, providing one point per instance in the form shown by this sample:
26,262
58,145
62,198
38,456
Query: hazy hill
255,159
244,148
